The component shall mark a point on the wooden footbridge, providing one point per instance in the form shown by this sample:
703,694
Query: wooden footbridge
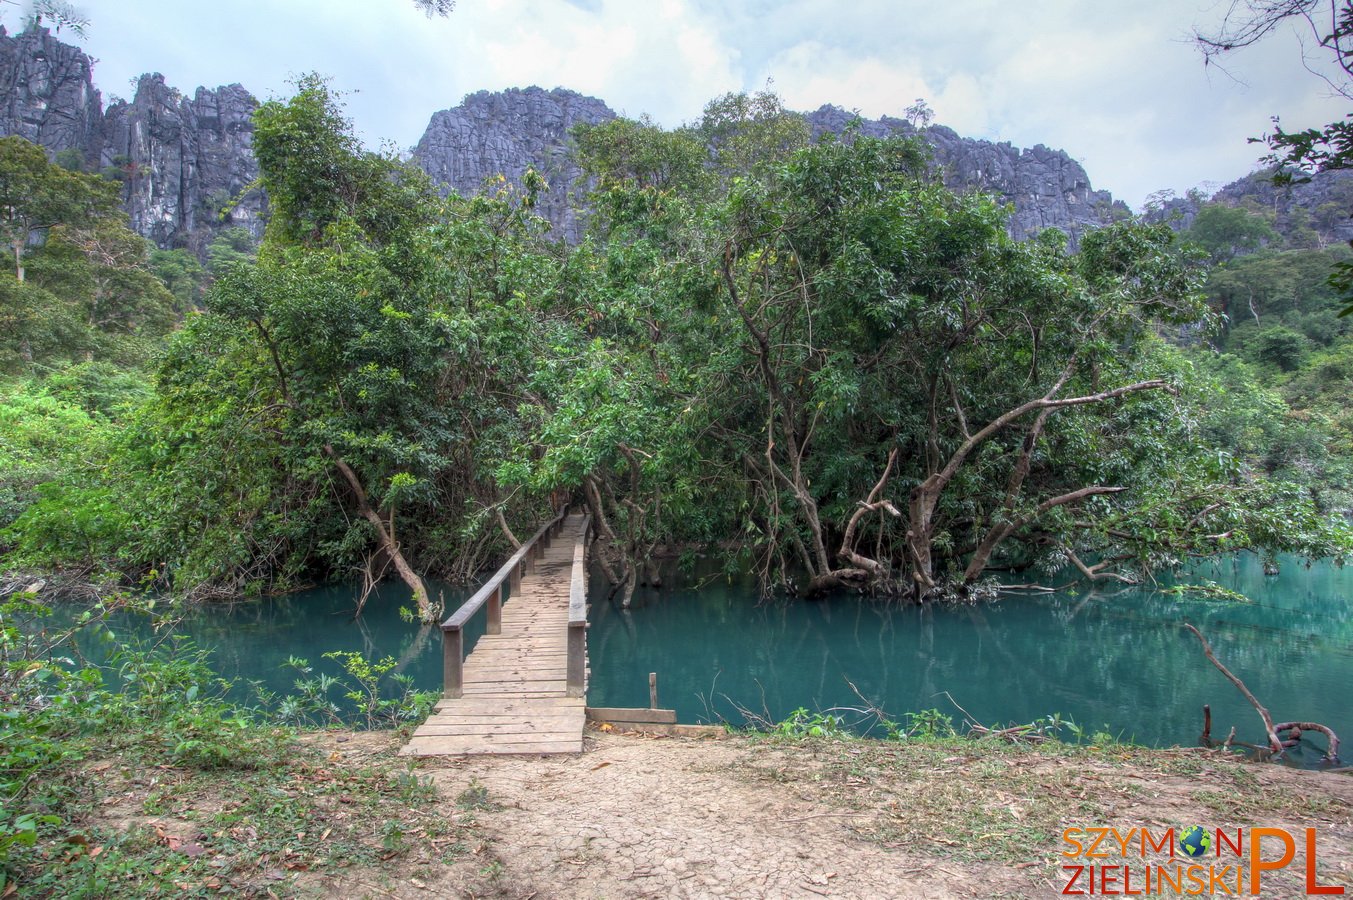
523,687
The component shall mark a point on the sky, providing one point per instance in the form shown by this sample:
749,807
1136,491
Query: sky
1118,86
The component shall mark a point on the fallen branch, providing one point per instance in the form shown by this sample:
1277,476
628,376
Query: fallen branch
1331,755
1275,744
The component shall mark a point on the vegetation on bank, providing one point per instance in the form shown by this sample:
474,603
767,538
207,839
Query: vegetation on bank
139,778
154,724
810,355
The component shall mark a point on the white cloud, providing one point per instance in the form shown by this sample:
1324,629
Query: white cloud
809,74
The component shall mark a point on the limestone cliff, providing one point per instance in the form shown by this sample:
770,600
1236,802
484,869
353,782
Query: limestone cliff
181,160
502,133
1048,188
184,160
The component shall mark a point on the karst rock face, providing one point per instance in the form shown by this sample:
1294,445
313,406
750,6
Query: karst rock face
502,133
1048,188
1317,211
184,161
48,91
187,166
181,161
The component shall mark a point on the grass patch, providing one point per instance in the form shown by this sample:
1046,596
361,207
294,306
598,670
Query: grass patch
137,830
969,799
141,779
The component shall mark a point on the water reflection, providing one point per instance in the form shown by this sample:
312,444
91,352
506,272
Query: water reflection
1113,659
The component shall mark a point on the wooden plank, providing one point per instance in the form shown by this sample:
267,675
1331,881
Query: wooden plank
522,695
498,740
533,681
536,723
645,716
556,731
514,706
525,666
459,746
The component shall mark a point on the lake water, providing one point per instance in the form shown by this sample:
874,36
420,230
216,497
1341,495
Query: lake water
1111,659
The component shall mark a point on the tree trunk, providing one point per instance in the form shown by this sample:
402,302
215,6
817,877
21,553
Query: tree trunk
426,613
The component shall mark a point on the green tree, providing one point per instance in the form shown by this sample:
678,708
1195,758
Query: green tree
182,275
336,406
230,246
36,196
81,288
1224,231
877,387
1299,154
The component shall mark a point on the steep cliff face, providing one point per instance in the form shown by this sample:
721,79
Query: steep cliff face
1048,188
503,133
47,92
184,160
180,160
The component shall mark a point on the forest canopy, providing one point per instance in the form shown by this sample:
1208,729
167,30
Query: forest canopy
810,358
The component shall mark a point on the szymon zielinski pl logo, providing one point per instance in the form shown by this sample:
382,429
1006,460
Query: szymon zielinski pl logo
1190,861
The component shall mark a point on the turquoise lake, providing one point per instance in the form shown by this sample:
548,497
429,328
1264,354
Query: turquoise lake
1111,659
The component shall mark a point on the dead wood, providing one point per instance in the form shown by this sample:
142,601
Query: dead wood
1274,743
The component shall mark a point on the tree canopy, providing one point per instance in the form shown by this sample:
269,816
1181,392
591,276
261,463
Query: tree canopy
808,357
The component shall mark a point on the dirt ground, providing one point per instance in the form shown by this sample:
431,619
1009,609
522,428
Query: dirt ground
645,816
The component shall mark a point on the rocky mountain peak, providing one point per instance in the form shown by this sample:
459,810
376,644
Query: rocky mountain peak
504,132
47,91
1048,188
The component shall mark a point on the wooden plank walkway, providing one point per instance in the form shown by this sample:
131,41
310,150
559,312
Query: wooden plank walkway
515,682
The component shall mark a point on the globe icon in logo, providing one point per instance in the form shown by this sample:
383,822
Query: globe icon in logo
1195,841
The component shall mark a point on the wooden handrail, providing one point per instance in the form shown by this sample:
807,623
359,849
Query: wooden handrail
453,639
576,684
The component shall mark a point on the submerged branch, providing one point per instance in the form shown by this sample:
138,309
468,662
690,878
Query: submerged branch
1274,743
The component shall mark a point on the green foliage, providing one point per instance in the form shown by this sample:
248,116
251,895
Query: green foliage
928,723
812,354
36,195
82,288
378,694
42,440
1208,591
229,247
182,276
802,724
316,176
1223,232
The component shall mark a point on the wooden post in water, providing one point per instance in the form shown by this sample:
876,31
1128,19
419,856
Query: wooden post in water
652,690
453,661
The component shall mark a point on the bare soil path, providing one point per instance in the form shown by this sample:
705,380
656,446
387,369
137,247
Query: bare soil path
640,816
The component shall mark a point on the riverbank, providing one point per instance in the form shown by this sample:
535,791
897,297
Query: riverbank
643,816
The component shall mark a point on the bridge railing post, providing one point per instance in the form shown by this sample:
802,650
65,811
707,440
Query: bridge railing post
494,625
453,662
577,660
575,684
